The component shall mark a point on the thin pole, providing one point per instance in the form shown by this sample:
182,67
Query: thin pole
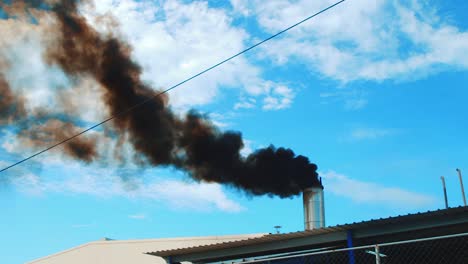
377,254
445,191
461,185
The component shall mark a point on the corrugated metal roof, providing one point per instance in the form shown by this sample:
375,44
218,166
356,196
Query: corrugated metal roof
332,229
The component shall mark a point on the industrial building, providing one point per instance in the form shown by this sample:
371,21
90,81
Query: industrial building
108,251
431,237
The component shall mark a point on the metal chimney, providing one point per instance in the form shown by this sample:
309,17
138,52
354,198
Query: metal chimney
314,208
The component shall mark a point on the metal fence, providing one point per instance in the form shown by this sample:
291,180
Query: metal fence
451,249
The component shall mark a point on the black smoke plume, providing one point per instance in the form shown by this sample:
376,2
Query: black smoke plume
191,143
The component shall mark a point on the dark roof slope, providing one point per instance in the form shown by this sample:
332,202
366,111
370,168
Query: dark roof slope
374,227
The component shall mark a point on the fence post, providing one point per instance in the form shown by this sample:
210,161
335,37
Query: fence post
377,254
349,236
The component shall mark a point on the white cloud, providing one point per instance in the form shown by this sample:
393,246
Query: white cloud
280,97
245,103
197,196
221,120
370,133
21,48
241,6
174,40
248,148
353,99
355,104
101,182
276,96
362,40
83,100
44,87
30,184
137,216
83,225
373,193
176,194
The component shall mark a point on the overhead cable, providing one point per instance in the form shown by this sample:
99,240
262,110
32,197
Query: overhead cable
171,88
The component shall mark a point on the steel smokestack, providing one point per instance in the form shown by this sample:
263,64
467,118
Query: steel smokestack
314,208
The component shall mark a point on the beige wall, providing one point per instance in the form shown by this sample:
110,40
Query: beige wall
129,251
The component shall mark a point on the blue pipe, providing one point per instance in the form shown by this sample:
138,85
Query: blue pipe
349,236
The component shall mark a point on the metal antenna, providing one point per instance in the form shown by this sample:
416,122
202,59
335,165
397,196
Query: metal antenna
277,229
445,191
461,185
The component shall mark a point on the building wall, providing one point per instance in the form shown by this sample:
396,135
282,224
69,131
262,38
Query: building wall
129,251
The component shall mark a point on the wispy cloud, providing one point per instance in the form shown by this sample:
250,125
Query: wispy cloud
352,99
371,133
137,216
3,163
173,193
355,103
83,225
245,103
374,193
221,120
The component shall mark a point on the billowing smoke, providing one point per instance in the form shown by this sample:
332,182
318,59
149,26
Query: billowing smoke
190,143
11,105
53,130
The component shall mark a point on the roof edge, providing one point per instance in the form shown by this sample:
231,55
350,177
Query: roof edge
149,240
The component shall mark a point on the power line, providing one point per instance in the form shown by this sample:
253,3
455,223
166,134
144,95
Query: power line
171,88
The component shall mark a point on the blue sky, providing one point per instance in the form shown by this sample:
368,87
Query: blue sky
374,94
